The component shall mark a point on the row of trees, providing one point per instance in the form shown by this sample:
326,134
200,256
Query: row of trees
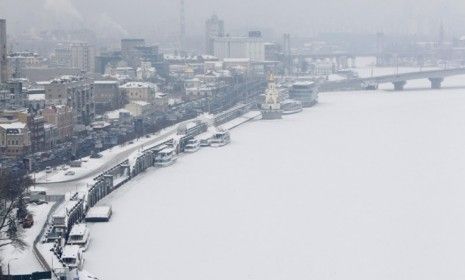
12,209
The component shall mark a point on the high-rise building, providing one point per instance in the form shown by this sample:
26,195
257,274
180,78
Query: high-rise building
3,52
83,57
62,57
252,47
129,51
214,27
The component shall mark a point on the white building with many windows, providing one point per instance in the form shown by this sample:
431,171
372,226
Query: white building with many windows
252,47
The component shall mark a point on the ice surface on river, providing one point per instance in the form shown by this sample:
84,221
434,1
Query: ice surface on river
366,185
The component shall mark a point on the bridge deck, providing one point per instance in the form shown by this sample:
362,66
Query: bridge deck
357,83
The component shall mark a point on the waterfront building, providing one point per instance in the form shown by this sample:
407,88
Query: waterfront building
214,27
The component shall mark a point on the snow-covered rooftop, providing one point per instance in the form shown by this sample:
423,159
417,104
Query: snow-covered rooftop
115,114
14,125
99,212
106,82
78,230
139,85
140,103
70,252
36,97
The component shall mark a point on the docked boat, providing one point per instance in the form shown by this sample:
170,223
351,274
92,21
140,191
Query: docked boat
271,109
79,235
305,92
220,138
99,214
204,142
192,145
291,106
165,157
72,256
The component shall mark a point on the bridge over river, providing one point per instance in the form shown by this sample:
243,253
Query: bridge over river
436,77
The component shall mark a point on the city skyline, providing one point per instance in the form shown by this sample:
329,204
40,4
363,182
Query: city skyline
160,19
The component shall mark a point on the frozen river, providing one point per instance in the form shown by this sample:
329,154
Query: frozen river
363,186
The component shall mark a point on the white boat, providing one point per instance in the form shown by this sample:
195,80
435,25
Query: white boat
305,92
220,139
72,256
99,214
290,106
79,235
165,157
204,142
192,146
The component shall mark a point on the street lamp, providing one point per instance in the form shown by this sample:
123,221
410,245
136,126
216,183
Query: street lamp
9,264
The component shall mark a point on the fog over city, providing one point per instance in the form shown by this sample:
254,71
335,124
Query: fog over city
303,17
232,139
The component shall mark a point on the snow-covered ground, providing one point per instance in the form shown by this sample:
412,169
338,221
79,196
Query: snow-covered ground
365,185
24,262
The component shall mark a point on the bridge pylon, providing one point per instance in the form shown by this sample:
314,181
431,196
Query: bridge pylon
436,82
399,85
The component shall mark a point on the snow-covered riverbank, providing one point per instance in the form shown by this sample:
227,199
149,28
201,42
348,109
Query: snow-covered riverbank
364,185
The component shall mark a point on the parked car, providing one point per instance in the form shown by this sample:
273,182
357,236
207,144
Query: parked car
75,163
28,221
70,173
48,169
96,155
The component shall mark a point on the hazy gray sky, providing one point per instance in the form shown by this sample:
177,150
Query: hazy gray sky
300,17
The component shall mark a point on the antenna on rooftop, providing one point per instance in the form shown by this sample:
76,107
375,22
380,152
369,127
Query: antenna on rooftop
182,34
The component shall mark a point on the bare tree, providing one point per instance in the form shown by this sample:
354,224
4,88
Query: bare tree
12,209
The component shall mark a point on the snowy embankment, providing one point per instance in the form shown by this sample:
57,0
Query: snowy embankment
24,262
366,185
27,263
92,167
